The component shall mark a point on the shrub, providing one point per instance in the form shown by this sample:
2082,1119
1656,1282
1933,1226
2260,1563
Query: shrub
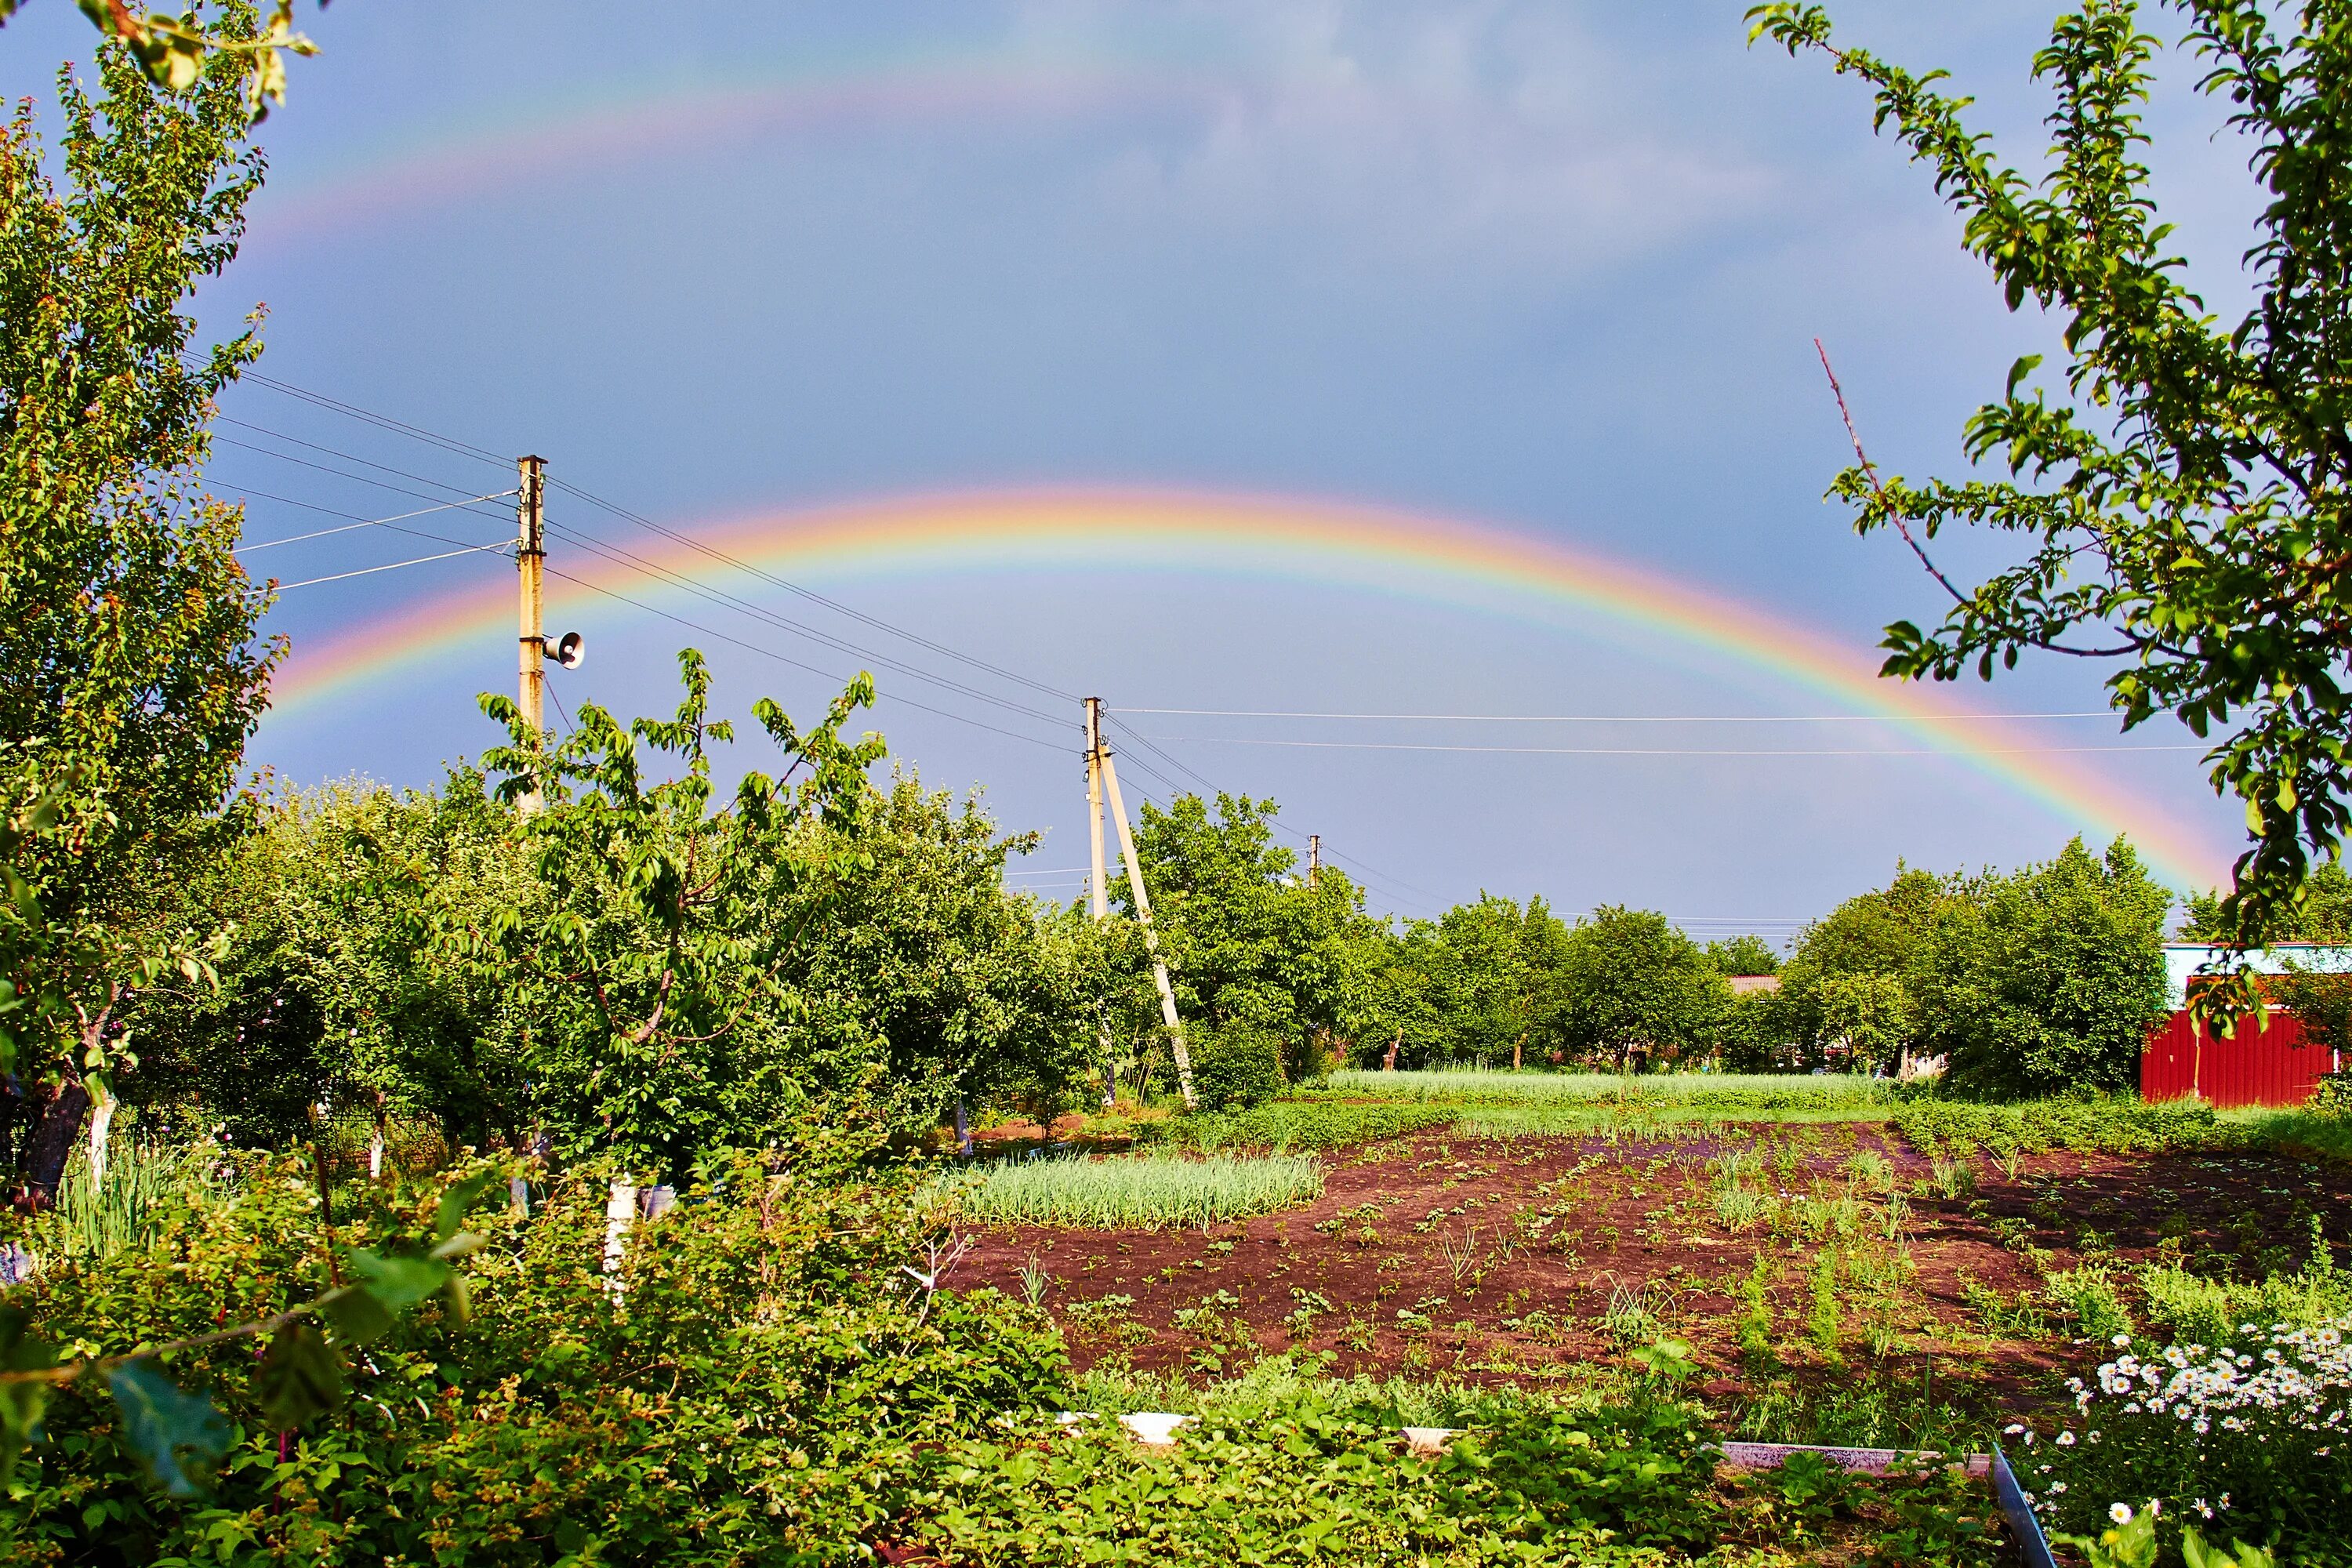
1235,1065
738,1392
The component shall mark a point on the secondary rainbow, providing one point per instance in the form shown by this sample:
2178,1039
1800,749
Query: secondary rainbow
1315,542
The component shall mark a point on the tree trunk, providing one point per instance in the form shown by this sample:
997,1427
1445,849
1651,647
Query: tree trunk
102,1122
52,1141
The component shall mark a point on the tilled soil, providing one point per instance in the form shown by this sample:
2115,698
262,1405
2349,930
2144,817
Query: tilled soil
1498,1260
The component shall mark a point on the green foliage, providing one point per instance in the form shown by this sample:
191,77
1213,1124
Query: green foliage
1156,1191
2183,498
1289,1124
1636,990
176,52
131,675
746,1387
922,980
2196,1310
2109,1126
653,974
1318,1483
1235,1065
1728,1091
1743,955
2036,982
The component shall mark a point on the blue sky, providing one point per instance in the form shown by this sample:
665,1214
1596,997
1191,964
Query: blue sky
1552,268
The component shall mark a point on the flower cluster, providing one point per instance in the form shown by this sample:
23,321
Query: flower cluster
2261,1428
2300,1377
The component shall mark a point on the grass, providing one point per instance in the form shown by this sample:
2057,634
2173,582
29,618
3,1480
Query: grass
1158,1191
1743,1091
145,1181
1288,1125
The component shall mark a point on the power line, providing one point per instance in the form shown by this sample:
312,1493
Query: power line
786,658
1620,718
811,595
352,411
340,473
367,522
1666,750
330,451
394,565
759,612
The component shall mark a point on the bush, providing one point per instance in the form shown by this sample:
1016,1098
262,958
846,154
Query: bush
738,1392
1235,1065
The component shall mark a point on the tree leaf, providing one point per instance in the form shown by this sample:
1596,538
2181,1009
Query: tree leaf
21,1403
459,1200
301,1377
357,1315
398,1282
179,1438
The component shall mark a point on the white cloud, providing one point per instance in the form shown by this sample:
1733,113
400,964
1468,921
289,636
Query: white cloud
1483,136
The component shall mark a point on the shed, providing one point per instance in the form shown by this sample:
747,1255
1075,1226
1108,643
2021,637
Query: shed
2269,1064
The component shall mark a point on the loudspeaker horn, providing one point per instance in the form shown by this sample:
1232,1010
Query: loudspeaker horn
569,650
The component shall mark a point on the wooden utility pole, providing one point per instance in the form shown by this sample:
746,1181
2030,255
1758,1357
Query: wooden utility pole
1102,779
530,563
1314,858
1098,890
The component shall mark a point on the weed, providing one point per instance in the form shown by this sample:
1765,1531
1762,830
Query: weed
1034,1281
1756,1314
1824,1324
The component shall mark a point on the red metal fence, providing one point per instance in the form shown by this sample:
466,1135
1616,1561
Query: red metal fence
2267,1066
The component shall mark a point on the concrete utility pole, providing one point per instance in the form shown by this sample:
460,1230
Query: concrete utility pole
530,563
1102,778
1314,858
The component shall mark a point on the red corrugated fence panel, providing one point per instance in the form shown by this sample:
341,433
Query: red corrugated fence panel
2268,1066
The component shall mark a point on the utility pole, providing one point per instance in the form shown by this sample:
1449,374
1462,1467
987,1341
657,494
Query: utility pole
1102,775
530,563
1314,858
1097,891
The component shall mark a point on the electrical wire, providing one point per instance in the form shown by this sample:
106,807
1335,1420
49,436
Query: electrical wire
786,658
719,596
811,595
367,522
1620,718
394,565
332,452
340,473
352,411
1666,750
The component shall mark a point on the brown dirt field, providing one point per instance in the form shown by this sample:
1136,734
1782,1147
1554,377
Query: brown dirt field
1596,1217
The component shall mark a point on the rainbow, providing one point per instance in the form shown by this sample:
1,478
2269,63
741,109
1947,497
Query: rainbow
1318,544
554,140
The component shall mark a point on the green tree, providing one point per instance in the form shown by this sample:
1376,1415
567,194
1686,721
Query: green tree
653,985
2322,912
1888,932
1635,990
1742,955
131,676
924,979
338,984
1870,1017
2047,980
176,52
1249,940
2185,501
